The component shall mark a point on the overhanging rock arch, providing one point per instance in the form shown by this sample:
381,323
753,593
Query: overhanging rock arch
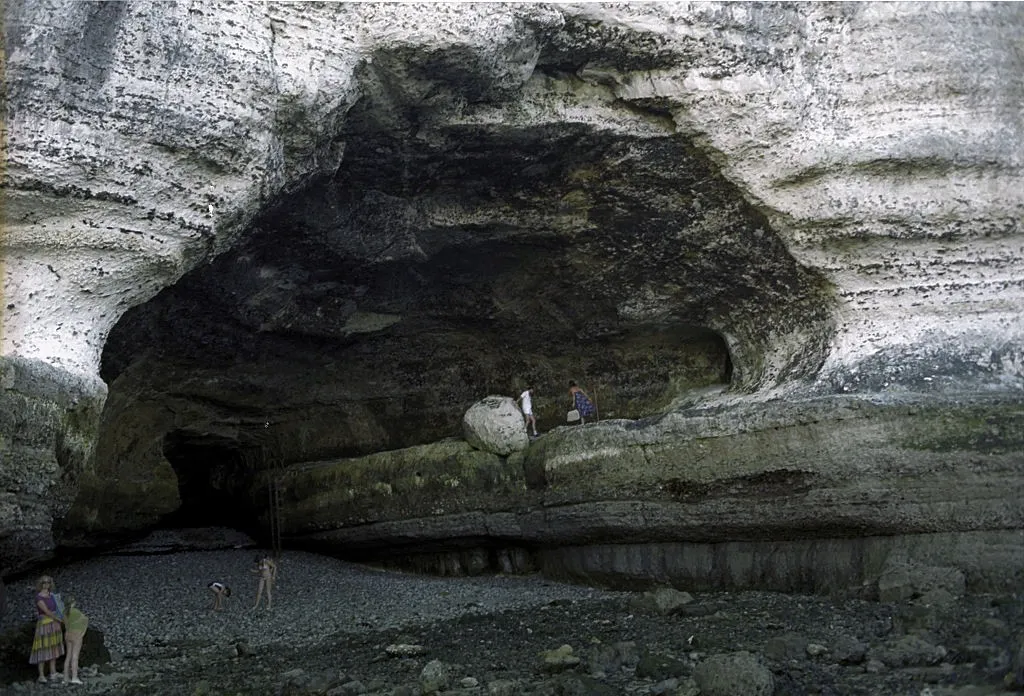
149,198
197,192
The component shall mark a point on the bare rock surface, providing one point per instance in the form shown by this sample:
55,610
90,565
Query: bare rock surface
243,238
178,540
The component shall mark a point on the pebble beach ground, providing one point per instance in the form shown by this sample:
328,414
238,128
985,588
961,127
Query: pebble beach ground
338,628
156,608
143,603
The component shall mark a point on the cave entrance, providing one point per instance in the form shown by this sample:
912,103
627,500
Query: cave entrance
209,472
648,370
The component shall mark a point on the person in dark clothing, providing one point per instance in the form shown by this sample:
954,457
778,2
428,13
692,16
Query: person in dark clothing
581,402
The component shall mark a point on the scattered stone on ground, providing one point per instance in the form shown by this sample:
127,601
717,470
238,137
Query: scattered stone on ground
341,629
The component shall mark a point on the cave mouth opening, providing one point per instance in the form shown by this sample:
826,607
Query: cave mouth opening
211,477
650,369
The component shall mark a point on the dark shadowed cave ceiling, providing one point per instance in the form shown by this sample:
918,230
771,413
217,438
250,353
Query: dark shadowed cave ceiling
373,308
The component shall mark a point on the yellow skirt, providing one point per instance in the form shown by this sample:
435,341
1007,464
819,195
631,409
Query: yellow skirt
48,642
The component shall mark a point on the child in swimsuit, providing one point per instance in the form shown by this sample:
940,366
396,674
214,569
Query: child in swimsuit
220,592
267,570
75,624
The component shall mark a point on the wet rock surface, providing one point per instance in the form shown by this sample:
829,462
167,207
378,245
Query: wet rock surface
343,629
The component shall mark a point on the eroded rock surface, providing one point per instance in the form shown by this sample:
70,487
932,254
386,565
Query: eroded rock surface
301,233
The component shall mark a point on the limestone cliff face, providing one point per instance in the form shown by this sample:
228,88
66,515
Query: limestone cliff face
299,231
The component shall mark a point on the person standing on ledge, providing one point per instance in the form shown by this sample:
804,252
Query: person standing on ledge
526,401
581,402
48,642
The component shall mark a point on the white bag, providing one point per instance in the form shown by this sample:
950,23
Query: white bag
573,415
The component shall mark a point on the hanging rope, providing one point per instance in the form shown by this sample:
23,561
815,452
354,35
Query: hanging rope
274,508
274,476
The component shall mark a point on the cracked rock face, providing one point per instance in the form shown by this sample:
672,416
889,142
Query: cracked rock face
303,232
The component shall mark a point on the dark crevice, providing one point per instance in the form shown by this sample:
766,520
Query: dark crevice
209,473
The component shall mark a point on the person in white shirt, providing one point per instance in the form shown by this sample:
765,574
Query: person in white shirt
526,401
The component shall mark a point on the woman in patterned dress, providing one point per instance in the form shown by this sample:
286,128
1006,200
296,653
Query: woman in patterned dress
48,642
581,402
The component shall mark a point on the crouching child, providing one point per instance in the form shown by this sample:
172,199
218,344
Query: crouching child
220,593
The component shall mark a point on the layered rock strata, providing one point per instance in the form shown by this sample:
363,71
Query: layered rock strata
302,232
813,495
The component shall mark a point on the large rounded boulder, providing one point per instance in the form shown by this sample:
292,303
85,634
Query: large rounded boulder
495,424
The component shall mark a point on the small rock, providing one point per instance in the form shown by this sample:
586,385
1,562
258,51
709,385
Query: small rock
667,599
732,674
353,687
502,687
665,687
664,600
435,677
602,660
917,616
788,646
559,659
628,652
321,682
578,685
908,651
608,659
930,675
687,687
294,681
847,650
660,667
405,650
939,596
874,667
469,682
816,649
